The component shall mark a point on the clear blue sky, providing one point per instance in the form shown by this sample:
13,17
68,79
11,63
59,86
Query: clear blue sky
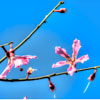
19,17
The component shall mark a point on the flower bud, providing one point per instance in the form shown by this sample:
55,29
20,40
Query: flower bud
21,69
62,10
51,85
92,76
29,72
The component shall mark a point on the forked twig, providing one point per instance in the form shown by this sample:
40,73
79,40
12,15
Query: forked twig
43,21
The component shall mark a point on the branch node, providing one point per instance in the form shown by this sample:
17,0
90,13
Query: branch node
48,78
95,67
54,74
44,21
66,73
76,71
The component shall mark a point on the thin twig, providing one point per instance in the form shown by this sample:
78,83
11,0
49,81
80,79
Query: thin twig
47,76
43,21
6,44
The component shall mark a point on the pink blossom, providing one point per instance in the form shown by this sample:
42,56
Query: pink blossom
61,10
71,61
15,60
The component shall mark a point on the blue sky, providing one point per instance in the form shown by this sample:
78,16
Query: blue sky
82,21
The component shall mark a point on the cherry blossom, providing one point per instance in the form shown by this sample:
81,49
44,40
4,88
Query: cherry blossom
14,60
71,61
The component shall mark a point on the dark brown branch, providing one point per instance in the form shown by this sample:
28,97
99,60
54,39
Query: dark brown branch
47,76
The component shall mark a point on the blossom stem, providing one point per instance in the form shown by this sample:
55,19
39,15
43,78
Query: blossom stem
47,76
43,21
27,76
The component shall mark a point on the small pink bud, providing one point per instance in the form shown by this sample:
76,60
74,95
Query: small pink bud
62,10
92,76
29,72
21,69
51,85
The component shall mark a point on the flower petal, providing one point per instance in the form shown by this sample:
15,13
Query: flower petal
35,57
71,70
22,60
82,59
6,70
62,52
60,63
76,46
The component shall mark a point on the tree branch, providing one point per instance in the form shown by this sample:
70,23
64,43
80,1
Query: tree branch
43,21
47,76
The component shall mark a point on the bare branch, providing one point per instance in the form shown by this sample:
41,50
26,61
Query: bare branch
47,76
